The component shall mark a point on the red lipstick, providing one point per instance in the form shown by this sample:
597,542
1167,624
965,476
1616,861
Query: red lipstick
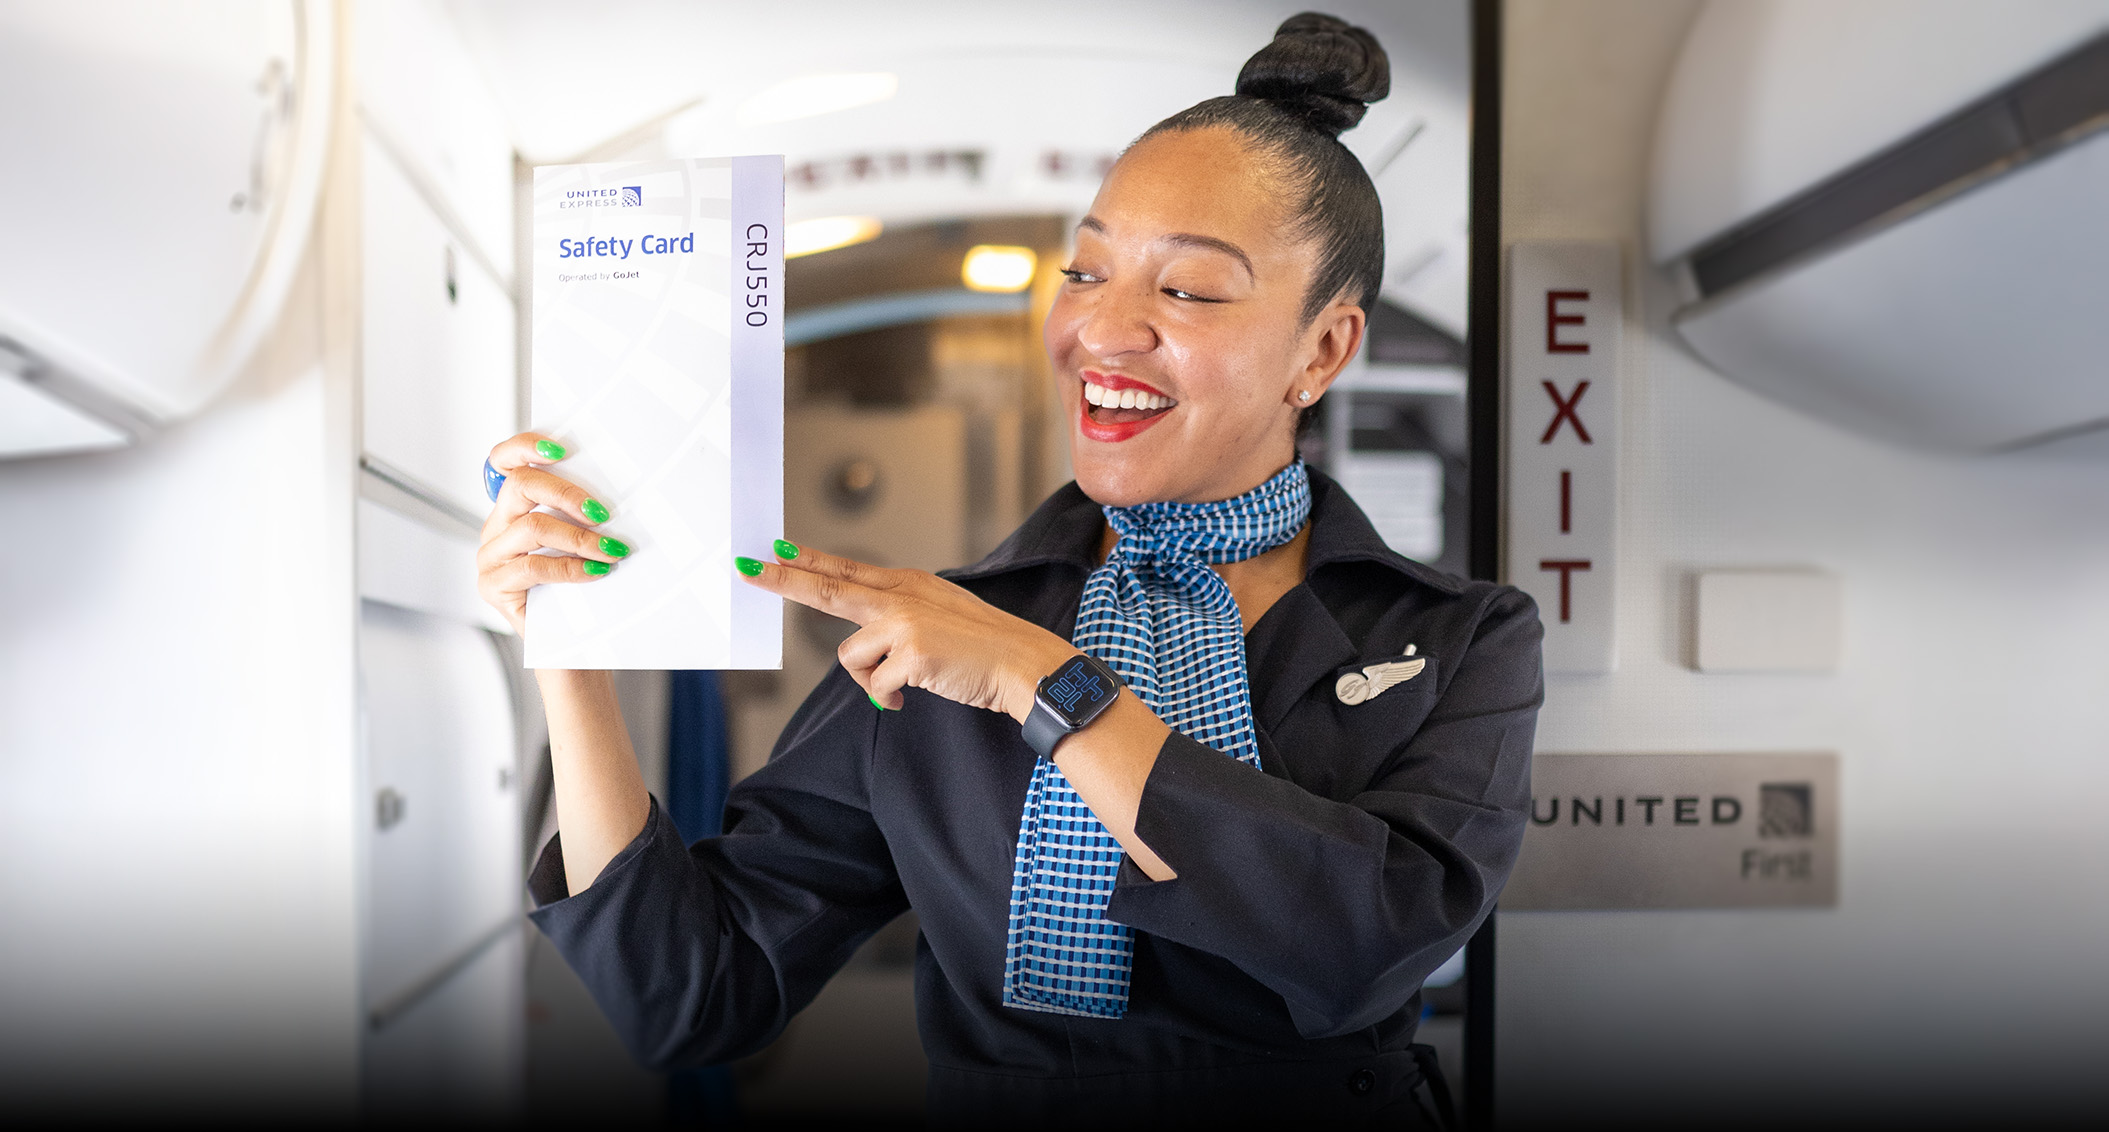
1117,382
1115,425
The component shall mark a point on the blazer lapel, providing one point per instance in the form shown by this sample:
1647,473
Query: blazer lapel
1300,644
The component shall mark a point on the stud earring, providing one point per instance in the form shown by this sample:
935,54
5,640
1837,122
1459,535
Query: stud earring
1303,395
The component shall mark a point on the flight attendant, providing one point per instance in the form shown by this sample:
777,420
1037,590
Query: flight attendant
1192,782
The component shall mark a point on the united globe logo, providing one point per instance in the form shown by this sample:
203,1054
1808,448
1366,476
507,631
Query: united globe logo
1786,809
633,196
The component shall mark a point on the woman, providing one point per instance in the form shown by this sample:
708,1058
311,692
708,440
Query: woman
1287,786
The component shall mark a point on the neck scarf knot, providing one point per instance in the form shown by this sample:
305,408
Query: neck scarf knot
1167,625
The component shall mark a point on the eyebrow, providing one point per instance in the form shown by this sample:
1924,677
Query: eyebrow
1189,239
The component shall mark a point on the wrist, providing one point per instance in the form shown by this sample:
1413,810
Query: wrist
1037,665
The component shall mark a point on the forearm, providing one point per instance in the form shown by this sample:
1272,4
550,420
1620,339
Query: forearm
601,799
1109,762
1340,906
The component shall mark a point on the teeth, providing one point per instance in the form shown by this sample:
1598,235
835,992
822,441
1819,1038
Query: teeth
1124,398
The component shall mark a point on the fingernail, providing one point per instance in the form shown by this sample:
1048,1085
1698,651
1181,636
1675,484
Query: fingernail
875,701
596,569
594,512
614,546
786,550
748,566
549,449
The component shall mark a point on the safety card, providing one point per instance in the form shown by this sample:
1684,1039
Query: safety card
658,363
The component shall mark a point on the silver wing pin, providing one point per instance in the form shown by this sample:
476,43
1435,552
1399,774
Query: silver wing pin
1361,687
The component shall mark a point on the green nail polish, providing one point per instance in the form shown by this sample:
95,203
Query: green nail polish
875,701
549,449
614,546
748,566
596,569
786,550
594,511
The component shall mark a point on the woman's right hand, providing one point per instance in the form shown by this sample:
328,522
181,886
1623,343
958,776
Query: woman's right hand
506,565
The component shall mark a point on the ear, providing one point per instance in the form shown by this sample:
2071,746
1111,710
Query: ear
1330,342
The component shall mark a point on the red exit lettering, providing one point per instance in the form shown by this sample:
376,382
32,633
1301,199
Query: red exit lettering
1554,320
1565,409
1567,568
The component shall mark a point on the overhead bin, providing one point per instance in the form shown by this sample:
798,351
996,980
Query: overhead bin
164,163
1888,214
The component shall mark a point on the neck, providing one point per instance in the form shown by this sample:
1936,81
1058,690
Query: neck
1256,582
1248,482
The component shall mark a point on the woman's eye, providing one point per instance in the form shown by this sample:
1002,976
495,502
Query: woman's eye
1076,276
1189,296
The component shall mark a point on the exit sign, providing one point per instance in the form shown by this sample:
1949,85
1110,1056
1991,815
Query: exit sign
1561,545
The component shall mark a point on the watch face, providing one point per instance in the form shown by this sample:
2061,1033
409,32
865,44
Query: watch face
1077,689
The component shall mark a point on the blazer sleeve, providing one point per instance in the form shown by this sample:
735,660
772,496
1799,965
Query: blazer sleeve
700,954
1344,908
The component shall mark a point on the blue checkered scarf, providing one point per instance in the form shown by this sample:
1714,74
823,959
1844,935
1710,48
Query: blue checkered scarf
1166,624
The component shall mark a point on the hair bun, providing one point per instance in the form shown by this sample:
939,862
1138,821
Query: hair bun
1320,68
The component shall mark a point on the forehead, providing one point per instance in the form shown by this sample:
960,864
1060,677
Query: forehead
1207,182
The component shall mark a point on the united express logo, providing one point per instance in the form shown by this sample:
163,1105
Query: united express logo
628,196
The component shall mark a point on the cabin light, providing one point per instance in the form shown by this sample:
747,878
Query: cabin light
817,94
995,267
825,234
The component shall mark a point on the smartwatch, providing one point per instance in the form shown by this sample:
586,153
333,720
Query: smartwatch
1068,700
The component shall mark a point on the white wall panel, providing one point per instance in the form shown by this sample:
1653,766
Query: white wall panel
407,564
437,346
1772,96
460,1051
177,849
163,167
1967,711
420,90
444,862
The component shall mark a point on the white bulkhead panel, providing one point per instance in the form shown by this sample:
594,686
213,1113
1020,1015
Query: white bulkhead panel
1891,337
33,422
1887,213
163,167
423,96
459,1051
442,813
439,384
1770,97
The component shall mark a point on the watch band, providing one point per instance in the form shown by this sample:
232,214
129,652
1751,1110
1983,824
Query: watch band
1043,729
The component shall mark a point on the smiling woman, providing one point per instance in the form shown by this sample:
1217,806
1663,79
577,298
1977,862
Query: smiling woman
1166,870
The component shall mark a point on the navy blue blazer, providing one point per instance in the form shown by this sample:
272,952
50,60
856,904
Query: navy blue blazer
1281,971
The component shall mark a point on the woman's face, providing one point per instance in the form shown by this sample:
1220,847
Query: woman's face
1187,292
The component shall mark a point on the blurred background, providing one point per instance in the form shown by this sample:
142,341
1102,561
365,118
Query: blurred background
270,775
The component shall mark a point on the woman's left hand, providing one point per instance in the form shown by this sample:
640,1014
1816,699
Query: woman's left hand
918,630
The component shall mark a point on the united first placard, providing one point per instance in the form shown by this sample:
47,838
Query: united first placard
657,361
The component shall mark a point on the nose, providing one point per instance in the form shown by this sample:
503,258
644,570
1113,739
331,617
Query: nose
1117,323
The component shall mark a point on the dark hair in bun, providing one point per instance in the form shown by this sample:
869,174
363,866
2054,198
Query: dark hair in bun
1320,69
1293,99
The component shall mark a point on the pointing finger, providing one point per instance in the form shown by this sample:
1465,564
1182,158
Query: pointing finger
848,569
824,592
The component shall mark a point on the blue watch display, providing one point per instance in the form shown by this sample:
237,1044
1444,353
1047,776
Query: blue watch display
1068,700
